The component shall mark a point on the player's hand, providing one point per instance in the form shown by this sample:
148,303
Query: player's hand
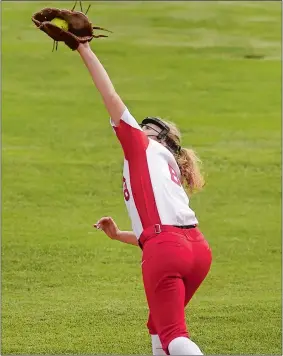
108,225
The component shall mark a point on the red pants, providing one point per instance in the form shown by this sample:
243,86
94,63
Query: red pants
174,264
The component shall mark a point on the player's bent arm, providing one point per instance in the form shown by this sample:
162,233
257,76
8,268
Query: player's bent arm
127,237
110,228
111,99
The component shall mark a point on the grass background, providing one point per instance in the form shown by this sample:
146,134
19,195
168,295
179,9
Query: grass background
213,68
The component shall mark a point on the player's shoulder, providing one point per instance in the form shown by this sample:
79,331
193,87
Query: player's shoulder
129,119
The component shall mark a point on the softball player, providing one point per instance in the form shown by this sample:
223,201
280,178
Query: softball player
176,257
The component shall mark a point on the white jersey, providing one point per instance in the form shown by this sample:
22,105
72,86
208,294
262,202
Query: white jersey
151,180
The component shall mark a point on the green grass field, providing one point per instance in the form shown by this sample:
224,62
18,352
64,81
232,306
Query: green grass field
213,68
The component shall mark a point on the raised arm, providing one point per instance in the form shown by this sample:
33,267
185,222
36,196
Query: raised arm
111,99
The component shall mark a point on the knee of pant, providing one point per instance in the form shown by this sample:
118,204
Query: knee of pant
150,325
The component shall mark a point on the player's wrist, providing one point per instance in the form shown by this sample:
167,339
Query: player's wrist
118,235
83,47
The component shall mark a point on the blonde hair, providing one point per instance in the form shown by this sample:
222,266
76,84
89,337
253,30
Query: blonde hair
188,162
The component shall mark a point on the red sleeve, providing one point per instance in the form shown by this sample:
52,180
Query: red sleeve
130,135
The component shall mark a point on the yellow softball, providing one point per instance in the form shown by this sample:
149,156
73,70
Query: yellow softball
60,23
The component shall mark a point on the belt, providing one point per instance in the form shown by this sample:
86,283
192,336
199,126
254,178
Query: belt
157,229
185,226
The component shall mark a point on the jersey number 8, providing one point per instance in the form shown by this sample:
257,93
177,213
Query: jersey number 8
126,190
174,176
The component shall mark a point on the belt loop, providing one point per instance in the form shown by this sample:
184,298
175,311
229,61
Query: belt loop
157,228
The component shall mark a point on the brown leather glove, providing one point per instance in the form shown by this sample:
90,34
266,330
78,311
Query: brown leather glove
79,30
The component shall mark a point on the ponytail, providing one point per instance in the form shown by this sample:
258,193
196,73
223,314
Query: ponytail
189,165
187,160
